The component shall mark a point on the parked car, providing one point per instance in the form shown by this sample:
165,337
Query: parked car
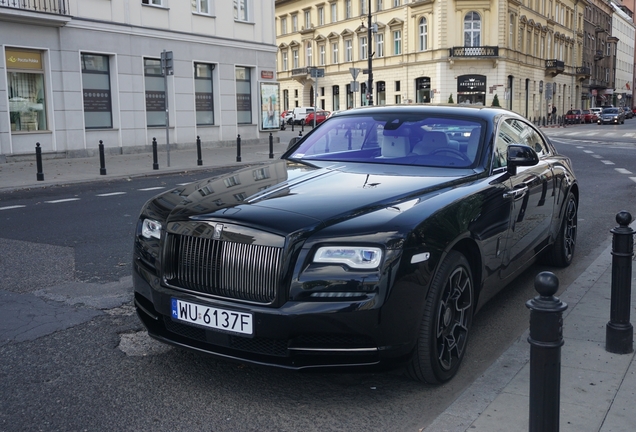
597,110
612,116
321,116
370,243
574,116
589,116
299,114
628,112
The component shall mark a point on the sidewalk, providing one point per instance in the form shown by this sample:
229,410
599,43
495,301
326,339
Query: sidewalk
598,389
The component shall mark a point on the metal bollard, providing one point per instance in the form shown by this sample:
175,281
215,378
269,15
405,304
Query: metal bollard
292,125
155,163
38,160
546,339
199,159
619,333
302,126
238,148
102,162
271,146
300,133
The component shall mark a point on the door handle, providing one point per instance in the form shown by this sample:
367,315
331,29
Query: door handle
516,193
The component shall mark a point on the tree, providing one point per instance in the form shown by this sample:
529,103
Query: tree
495,101
450,99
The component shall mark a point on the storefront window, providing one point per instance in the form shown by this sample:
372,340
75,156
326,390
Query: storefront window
203,93
96,91
155,93
243,95
423,90
335,101
25,79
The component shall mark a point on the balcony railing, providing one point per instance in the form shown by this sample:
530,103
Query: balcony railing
583,71
300,71
477,51
59,7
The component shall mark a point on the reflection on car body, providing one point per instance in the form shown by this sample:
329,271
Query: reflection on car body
371,242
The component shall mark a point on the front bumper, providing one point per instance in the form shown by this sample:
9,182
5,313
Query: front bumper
298,335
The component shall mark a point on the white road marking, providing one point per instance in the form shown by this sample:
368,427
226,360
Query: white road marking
151,188
606,162
633,178
623,170
597,156
184,184
61,200
11,207
588,151
630,134
111,194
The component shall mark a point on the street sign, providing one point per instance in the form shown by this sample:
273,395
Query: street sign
167,62
354,86
548,91
354,73
316,73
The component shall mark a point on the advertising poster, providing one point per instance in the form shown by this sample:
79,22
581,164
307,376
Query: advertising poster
270,106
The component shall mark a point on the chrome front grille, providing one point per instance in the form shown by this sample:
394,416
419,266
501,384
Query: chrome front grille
227,269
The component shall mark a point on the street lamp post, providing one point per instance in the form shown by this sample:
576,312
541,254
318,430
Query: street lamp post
369,56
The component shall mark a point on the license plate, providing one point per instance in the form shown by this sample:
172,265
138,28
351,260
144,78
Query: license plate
212,317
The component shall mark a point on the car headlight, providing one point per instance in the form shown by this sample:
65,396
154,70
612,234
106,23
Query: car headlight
358,257
151,228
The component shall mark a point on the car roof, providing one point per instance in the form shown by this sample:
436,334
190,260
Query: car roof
476,111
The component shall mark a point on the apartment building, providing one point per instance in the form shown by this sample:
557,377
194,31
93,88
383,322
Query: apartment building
76,72
624,30
527,53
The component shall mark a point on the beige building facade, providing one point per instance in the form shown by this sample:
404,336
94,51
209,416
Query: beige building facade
525,53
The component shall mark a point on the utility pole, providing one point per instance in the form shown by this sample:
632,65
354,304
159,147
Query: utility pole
369,57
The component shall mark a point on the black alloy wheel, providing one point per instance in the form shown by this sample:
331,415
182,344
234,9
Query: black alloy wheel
561,252
446,322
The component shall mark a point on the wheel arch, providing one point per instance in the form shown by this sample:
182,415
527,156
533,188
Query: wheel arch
468,247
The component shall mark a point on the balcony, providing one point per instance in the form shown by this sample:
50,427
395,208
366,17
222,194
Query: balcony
554,67
598,55
473,53
56,13
583,73
300,72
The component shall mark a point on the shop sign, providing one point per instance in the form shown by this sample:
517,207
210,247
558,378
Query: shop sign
267,74
155,101
96,100
23,59
471,83
203,101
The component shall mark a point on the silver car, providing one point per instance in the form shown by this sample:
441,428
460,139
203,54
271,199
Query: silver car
612,116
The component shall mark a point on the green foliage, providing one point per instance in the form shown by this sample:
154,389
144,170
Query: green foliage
495,101
450,99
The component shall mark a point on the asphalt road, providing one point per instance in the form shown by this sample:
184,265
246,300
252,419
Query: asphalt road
74,356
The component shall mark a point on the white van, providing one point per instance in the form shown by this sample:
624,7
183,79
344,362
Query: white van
300,113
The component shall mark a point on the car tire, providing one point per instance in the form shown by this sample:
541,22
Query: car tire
561,252
446,321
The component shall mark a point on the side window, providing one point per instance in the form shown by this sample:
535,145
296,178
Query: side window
513,131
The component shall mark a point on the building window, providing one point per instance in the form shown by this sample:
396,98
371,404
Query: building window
397,86
321,55
153,2
396,3
155,93
295,59
334,53
472,30
241,12
363,7
321,16
307,19
363,48
309,55
243,95
285,60
378,5
379,45
348,50
204,101
335,98
27,102
511,32
423,34
397,42
347,9
96,91
294,23
285,100
334,12
423,90
201,6
283,26
381,97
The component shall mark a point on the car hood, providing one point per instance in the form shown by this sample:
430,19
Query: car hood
287,196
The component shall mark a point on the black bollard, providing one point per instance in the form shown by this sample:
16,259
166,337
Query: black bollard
199,159
238,148
302,126
102,161
292,122
155,163
300,133
38,160
271,146
619,333
546,339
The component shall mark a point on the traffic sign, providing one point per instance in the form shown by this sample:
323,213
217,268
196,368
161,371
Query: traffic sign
354,72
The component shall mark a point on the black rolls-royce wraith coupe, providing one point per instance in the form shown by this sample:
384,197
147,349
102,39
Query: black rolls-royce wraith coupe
371,242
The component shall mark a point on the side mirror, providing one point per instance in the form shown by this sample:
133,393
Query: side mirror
520,155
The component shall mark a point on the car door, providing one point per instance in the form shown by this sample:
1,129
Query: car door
531,196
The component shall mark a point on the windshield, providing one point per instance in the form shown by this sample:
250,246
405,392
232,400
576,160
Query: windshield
610,111
395,139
